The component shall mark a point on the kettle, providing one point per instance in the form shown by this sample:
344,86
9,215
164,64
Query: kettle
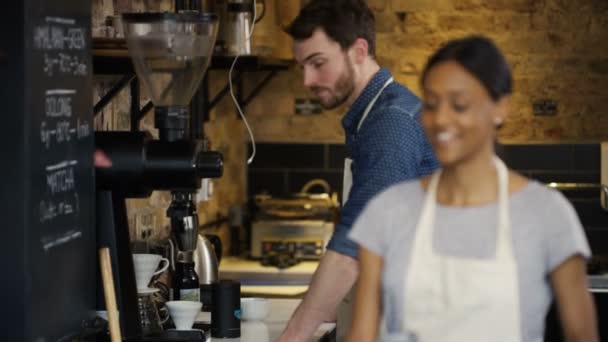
236,21
207,256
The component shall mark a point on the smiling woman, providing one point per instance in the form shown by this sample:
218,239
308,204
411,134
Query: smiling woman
467,90
475,251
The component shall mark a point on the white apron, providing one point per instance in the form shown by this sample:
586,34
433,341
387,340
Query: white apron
347,180
344,315
458,299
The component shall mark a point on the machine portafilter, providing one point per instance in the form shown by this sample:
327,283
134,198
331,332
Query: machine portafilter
170,54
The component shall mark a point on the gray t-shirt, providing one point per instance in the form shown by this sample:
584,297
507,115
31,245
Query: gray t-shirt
544,226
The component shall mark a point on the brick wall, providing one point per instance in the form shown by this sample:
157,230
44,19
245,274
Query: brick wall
557,49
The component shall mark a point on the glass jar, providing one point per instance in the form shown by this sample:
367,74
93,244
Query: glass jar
148,314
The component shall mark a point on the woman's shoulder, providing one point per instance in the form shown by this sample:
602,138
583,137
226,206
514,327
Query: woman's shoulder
411,188
543,202
398,194
534,190
518,182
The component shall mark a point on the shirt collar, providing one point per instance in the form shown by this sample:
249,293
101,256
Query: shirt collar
354,114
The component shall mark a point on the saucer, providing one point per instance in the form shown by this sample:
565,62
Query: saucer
192,329
149,290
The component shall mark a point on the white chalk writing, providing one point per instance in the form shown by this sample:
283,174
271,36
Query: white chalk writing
60,92
50,209
59,20
63,59
58,106
54,36
63,63
61,165
62,131
49,242
61,180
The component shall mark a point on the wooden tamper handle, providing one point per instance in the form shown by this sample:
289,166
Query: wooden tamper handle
109,293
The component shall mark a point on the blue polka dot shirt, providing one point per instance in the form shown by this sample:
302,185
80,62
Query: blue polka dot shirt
390,147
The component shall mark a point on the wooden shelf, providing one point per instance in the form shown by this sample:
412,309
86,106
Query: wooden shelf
116,61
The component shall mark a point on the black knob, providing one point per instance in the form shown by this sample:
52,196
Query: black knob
209,164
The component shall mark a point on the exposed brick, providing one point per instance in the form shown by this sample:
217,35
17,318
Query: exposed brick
460,22
467,5
286,11
377,5
412,61
485,23
514,5
412,83
598,24
387,22
424,22
564,87
391,62
427,42
591,45
599,66
533,42
499,5
421,5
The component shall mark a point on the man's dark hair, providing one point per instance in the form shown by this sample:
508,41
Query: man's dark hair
480,57
344,21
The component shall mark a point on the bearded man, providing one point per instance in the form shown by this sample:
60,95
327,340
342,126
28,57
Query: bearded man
334,42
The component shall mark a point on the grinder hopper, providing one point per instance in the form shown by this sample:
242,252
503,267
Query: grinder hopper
170,52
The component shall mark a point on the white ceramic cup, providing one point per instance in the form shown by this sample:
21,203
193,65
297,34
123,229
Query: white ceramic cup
254,309
255,331
183,313
145,266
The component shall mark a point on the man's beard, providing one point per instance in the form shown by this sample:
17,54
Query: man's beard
345,85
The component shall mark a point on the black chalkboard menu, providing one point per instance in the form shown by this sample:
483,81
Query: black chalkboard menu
47,176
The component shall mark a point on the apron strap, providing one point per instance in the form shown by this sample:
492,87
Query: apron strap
372,102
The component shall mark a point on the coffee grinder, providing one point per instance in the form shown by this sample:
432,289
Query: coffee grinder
170,53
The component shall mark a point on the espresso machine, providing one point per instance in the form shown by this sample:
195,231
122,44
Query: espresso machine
170,54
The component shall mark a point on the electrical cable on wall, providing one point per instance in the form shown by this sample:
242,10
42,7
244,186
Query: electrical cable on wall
236,103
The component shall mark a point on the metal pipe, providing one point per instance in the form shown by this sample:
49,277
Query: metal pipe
134,105
107,98
573,186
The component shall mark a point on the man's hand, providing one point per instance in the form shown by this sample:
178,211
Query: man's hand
101,159
332,280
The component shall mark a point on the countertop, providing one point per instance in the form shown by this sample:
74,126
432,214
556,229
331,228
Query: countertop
270,328
252,272
268,281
